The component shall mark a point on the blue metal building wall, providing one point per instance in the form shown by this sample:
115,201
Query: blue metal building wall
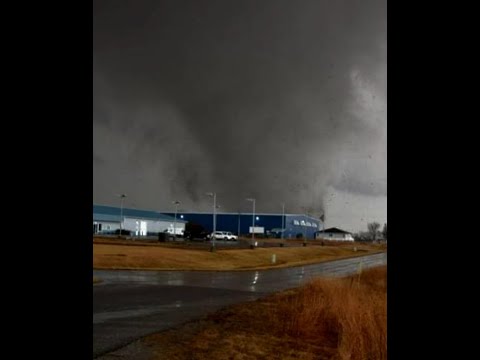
230,222
291,230
203,219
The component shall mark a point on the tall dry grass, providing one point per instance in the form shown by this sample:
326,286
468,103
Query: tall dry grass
349,314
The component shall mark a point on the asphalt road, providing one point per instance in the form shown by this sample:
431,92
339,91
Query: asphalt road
128,305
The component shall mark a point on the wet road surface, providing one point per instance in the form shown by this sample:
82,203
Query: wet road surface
128,305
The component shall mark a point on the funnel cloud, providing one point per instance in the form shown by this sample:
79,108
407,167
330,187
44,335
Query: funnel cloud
284,101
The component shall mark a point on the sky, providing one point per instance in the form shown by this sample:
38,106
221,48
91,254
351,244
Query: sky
282,101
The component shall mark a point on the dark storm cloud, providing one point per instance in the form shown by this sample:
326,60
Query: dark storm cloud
97,160
247,98
363,186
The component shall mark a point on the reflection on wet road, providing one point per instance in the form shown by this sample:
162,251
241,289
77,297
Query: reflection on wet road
131,304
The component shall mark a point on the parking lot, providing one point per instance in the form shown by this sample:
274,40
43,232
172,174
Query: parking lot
197,243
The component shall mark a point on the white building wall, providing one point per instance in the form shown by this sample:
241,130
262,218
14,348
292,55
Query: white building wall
107,226
334,237
141,227
137,226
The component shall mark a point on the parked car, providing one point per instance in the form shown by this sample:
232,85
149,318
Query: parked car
223,235
192,235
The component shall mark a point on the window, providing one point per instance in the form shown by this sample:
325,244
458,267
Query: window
314,225
295,222
302,222
309,223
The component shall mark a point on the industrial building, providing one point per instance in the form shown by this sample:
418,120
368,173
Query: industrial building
265,224
334,234
107,220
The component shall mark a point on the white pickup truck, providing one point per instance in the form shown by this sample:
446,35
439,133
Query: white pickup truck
222,235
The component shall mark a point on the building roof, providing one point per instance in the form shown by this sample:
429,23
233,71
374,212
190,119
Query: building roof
112,213
334,230
106,217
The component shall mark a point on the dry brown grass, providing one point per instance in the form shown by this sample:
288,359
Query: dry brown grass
336,319
115,256
349,312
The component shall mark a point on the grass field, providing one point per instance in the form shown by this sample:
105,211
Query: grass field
167,257
326,319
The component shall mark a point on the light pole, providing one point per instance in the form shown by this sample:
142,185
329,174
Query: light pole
283,219
122,197
253,222
214,195
305,226
238,232
176,203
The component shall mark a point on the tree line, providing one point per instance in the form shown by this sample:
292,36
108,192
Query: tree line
373,233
